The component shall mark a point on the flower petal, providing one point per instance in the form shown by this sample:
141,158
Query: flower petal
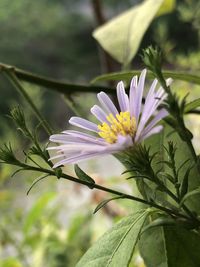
159,116
99,113
84,124
107,103
139,94
132,95
154,130
122,97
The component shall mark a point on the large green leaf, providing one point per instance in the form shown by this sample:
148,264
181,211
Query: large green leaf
170,246
122,35
187,77
115,247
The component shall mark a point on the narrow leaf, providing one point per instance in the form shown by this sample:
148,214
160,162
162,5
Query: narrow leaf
83,176
192,105
184,184
190,194
104,202
127,76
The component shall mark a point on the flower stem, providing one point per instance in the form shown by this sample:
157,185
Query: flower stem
109,190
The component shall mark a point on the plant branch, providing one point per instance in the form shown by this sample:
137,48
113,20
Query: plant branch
52,84
109,190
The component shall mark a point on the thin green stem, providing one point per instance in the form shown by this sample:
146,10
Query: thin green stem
14,80
109,190
54,85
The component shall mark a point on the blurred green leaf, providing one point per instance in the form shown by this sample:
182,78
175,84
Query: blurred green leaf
121,36
116,246
170,246
10,262
192,105
127,76
166,7
36,211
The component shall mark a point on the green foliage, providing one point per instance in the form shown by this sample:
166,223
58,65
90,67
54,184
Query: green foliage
115,248
36,211
83,176
170,246
126,76
121,36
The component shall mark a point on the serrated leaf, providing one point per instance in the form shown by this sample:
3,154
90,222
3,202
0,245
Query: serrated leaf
122,35
36,211
83,176
192,105
116,246
170,246
127,76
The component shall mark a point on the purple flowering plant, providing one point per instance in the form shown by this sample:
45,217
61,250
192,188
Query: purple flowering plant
148,135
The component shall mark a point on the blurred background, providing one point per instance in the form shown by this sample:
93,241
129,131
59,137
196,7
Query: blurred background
55,225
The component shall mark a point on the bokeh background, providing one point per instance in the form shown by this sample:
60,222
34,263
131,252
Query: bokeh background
54,225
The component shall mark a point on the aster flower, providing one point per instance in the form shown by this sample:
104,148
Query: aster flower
117,130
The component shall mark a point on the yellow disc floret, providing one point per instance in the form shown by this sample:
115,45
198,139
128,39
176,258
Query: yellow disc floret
122,124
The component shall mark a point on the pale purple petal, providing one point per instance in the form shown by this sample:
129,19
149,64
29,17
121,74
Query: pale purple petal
139,94
99,113
159,116
76,137
107,103
84,124
132,95
154,130
122,97
85,136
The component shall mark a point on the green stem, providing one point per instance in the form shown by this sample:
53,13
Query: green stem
14,80
52,84
109,190
180,121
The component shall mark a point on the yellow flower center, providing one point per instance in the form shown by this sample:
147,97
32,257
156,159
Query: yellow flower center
122,124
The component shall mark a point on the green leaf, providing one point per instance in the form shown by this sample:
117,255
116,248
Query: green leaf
116,246
83,176
127,76
167,7
190,194
192,105
170,246
36,211
122,35
10,262
184,184
104,202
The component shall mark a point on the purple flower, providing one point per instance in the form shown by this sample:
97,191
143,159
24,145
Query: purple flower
117,130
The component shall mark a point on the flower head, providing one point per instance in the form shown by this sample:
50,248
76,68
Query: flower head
117,129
